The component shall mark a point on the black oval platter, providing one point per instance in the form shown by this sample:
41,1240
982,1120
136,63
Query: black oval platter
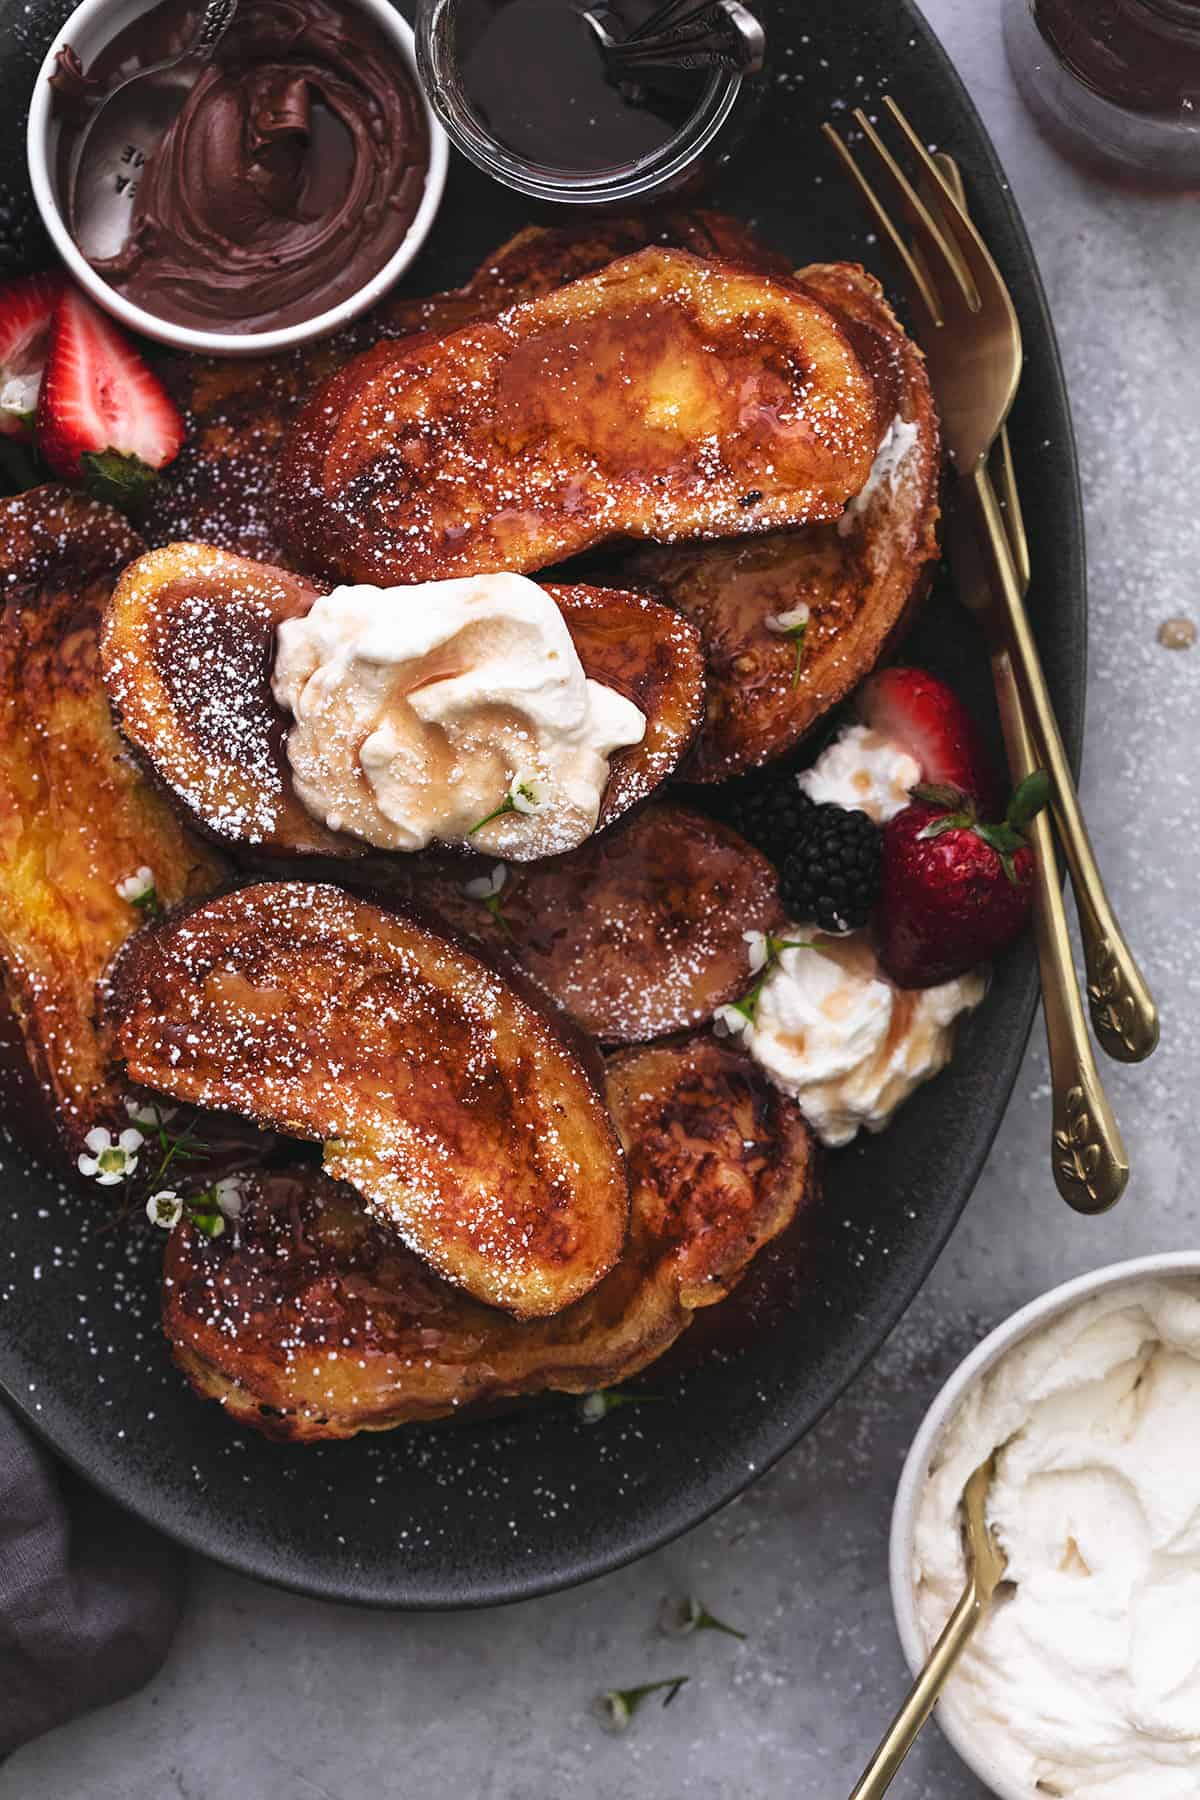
480,1513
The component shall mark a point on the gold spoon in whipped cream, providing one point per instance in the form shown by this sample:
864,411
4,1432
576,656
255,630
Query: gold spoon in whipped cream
986,1565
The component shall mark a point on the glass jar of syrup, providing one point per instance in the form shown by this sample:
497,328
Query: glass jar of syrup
1114,82
523,90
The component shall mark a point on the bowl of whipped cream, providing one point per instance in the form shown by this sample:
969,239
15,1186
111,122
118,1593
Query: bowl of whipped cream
1084,1681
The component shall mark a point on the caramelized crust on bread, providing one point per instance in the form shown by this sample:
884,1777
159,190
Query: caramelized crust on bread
308,1322
76,819
639,933
860,577
188,642
220,488
450,1102
186,650
653,656
664,397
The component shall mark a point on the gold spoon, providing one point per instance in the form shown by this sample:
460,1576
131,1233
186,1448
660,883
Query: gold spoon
986,1563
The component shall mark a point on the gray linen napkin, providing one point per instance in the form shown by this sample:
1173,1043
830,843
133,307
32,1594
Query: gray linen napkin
89,1597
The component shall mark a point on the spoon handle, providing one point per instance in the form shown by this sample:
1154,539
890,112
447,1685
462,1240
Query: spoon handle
675,12
215,21
725,35
898,1739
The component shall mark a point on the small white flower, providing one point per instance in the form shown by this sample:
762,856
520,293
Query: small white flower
729,1022
486,887
785,623
165,1209
135,887
109,1161
760,949
527,794
228,1195
149,1112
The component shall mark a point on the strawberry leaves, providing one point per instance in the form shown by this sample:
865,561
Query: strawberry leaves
1007,835
122,481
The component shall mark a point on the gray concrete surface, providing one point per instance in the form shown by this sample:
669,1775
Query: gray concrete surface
267,1697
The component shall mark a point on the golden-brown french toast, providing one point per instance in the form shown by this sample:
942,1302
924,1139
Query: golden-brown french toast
308,1322
220,488
665,397
859,577
77,819
187,648
453,1104
638,933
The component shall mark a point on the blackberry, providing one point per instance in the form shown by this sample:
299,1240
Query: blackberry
768,810
831,875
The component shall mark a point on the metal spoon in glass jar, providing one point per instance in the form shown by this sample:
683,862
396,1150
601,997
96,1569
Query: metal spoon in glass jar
688,34
127,125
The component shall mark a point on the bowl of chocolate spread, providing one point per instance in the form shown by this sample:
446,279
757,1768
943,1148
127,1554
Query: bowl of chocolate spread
294,186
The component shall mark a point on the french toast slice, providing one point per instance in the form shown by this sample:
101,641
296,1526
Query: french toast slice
860,577
638,933
455,1106
77,819
220,488
308,1322
187,647
665,397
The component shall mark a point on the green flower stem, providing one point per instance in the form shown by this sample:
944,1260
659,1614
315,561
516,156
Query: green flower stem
620,1704
748,1004
698,1618
509,806
797,634
495,906
186,1147
596,1406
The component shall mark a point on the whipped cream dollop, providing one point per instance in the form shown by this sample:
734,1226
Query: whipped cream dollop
862,769
421,710
831,1030
887,471
1085,1681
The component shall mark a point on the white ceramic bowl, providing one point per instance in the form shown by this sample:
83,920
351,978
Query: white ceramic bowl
925,1445
92,26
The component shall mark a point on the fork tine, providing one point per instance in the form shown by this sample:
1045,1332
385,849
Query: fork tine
1004,473
911,202
959,224
1014,518
922,288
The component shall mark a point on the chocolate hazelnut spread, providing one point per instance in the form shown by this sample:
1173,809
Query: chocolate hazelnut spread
290,176
75,90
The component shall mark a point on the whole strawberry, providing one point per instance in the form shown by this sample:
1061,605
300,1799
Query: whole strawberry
955,891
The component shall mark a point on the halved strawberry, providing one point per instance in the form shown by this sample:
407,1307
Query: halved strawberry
925,717
103,417
26,306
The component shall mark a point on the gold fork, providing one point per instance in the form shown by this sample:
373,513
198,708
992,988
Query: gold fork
974,350
968,330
